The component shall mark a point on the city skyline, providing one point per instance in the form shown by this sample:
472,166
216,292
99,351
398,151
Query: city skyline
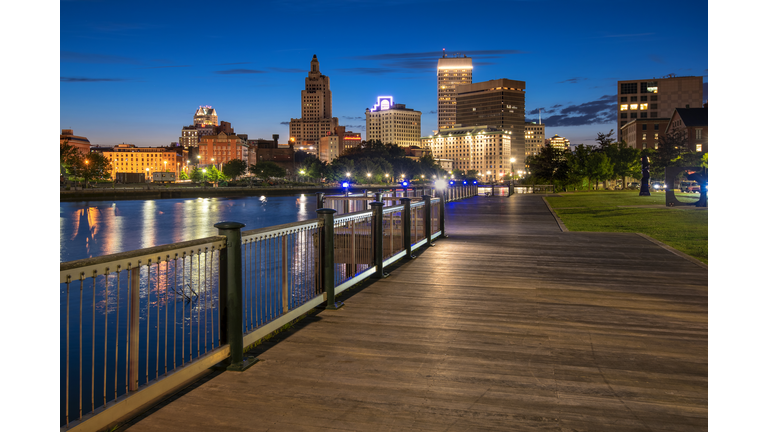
130,76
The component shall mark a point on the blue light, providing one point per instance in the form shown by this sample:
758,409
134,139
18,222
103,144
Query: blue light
345,184
475,181
452,182
465,182
405,184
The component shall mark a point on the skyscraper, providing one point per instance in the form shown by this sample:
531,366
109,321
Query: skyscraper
656,98
316,110
450,73
498,104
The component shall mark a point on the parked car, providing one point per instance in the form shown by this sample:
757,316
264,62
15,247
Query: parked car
658,186
690,187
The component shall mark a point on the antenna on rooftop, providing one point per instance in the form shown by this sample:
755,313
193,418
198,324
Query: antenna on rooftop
539,115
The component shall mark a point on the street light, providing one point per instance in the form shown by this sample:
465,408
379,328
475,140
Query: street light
204,179
369,178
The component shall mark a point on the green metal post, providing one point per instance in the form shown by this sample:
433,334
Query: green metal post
428,218
442,215
320,199
378,237
326,257
231,297
406,215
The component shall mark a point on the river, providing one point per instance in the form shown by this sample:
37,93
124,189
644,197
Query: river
95,228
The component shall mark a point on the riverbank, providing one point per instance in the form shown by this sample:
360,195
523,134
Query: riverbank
163,192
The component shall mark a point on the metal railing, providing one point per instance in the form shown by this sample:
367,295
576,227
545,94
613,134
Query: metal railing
161,316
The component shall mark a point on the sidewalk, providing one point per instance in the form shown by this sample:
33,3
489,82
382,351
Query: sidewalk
508,324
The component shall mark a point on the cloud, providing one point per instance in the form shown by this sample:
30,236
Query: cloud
353,118
239,71
556,106
656,59
572,80
600,111
75,57
81,79
230,64
285,123
536,111
432,112
422,61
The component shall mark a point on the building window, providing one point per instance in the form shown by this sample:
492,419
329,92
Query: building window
644,106
633,106
649,87
624,107
645,126
623,115
698,133
633,99
644,115
698,147
633,115
656,137
643,98
623,99
628,88
643,137
656,126
654,114
654,98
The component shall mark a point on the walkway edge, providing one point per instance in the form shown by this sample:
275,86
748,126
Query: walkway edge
650,239
554,215
674,251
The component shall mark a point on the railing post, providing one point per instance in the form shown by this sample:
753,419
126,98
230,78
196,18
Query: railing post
231,296
378,237
442,215
133,329
428,218
406,215
377,196
326,257
320,199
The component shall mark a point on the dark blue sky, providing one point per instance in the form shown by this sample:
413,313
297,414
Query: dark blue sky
135,72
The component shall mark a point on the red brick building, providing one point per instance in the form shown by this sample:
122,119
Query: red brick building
692,122
221,148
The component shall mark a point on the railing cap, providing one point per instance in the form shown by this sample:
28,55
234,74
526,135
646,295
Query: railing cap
229,225
325,211
376,204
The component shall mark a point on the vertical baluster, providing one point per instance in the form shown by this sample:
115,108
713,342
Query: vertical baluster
66,384
257,280
245,286
106,313
93,340
149,315
80,349
157,298
206,286
165,338
183,307
117,327
199,252
175,300
284,266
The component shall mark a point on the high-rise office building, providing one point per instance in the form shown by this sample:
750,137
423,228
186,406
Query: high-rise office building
316,110
451,71
206,115
393,123
656,98
559,142
499,104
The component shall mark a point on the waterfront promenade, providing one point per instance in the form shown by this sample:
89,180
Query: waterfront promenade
508,324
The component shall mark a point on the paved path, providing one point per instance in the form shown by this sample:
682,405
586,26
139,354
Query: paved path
508,324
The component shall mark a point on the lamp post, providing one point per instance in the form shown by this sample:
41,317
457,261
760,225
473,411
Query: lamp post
369,178
147,174
204,179
512,174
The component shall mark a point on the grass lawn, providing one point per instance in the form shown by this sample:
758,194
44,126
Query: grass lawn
685,229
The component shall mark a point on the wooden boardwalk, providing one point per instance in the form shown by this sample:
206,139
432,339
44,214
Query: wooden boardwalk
508,324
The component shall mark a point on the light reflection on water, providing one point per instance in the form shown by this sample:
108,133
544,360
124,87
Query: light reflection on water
96,228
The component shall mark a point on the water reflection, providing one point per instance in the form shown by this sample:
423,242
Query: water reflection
95,228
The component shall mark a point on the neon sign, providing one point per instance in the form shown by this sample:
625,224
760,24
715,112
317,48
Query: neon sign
383,103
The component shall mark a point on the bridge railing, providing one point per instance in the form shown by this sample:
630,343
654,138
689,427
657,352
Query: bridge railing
140,324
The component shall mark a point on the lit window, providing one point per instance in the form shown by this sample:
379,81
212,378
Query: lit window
633,106
698,147
644,106
624,107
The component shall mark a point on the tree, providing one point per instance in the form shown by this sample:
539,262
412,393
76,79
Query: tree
604,140
183,175
598,167
234,168
93,166
267,169
213,175
671,146
197,175
625,160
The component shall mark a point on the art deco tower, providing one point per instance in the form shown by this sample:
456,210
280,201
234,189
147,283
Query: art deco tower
316,110
450,73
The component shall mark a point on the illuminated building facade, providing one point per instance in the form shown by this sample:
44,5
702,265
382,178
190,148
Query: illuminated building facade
451,72
334,144
220,149
644,133
80,143
480,148
559,142
656,98
534,138
499,104
206,116
393,123
316,110
127,158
